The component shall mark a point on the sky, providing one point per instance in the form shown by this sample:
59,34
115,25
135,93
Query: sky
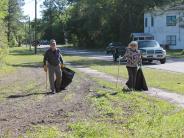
29,8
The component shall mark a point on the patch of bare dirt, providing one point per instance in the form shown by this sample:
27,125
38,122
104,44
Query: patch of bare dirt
21,77
21,111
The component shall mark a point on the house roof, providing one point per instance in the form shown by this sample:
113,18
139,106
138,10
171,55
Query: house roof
141,35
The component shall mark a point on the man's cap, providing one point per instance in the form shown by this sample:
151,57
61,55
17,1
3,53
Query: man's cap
52,41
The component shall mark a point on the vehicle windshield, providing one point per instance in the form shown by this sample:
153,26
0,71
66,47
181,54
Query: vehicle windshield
145,44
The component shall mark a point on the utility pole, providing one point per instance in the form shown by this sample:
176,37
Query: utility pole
25,25
8,34
36,44
30,34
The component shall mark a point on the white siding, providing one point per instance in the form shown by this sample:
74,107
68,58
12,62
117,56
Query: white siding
160,30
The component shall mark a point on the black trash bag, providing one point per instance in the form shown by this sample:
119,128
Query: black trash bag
67,77
140,84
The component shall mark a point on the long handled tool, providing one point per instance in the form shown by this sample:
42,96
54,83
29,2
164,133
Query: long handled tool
118,73
46,76
46,80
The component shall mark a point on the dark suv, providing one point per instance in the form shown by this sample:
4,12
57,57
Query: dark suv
113,46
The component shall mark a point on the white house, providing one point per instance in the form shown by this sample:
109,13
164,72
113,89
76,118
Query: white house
167,26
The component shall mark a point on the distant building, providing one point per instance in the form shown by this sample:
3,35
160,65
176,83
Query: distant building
167,26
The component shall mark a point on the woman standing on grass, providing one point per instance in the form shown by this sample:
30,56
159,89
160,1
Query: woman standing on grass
133,58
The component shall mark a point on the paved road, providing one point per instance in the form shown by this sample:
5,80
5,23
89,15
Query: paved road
172,64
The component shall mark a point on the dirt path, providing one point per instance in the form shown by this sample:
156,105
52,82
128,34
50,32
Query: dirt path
174,98
26,107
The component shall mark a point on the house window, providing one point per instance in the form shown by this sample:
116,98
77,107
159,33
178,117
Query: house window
171,40
135,39
171,20
141,38
146,22
152,21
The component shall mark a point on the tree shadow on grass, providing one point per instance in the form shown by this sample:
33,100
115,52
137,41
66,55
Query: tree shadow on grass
21,52
28,65
25,52
27,95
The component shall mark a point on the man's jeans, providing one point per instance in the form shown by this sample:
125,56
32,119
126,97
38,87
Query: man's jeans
57,71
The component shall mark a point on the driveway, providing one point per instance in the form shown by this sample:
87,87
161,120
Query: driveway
172,64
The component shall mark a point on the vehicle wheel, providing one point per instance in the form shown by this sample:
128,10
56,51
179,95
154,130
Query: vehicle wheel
150,61
162,61
115,57
143,61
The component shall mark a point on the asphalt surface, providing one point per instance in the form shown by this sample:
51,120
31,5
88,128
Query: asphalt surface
172,64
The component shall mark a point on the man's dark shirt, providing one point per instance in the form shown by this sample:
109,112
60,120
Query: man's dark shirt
53,57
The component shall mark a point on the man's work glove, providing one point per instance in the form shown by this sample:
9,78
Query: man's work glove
45,68
62,66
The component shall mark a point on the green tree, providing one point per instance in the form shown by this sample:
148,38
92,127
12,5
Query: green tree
14,23
95,23
98,22
3,36
52,23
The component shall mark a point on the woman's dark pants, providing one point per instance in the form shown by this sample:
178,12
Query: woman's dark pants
132,73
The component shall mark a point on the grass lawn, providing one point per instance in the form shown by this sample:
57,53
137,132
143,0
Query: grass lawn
155,78
138,115
175,53
20,57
